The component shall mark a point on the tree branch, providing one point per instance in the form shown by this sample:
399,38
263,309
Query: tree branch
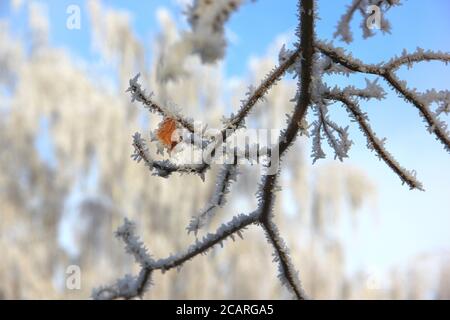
435,126
266,194
131,287
374,143
140,95
261,91
162,168
287,273
312,91
226,176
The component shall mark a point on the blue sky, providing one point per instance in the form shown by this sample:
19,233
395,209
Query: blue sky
410,222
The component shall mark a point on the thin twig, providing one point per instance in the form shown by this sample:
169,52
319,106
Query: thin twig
375,143
162,168
287,274
136,287
386,72
140,95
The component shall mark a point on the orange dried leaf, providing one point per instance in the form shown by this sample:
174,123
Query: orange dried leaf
165,133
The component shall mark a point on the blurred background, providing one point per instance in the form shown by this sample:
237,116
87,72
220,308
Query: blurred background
67,179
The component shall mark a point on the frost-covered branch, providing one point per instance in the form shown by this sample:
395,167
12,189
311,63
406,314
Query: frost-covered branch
316,133
343,30
165,168
257,94
133,287
373,142
386,71
305,33
371,91
237,121
225,178
288,275
129,286
441,98
268,187
340,145
435,125
138,94
338,55
235,226
419,55
161,168
310,62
